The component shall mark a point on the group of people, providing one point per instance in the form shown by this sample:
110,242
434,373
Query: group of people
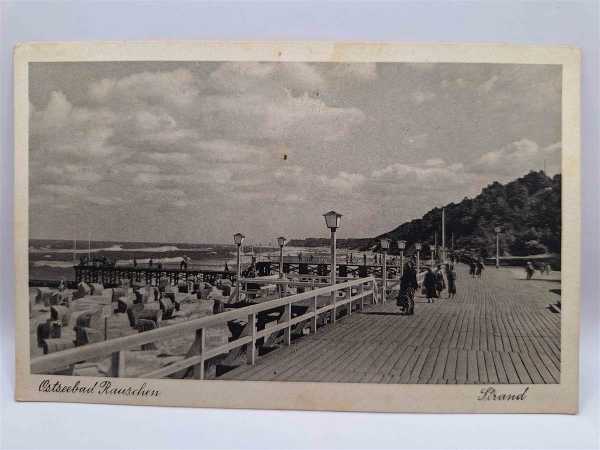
434,283
476,268
544,269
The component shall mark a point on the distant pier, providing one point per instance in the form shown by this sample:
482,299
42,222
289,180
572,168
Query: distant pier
112,275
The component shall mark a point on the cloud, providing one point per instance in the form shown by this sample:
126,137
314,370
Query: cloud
518,157
344,182
418,141
252,76
177,88
420,97
434,162
362,137
434,174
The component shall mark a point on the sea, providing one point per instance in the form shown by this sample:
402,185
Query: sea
54,259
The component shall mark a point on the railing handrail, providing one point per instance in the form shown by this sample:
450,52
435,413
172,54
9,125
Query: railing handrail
106,348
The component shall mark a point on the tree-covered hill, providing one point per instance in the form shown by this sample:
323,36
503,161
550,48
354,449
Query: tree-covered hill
527,209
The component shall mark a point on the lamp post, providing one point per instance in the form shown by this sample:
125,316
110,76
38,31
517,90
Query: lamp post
497,230
332,220
385,245
418,249
401,247
431,252
238,238
281,242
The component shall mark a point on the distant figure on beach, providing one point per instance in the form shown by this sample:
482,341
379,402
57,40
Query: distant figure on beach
529,270
151,262
429,283
300,256
134,262
159,265
61,285
440,284
364,259
547,268
478,269
451,277
311,258
351,258
408,285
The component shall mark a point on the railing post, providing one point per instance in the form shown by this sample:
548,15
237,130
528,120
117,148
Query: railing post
287,317
374,298
117,364
362,297
333,302
316,315
198,349
349,290
251,346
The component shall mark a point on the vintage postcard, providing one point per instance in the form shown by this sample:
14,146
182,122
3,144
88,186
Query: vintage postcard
298,225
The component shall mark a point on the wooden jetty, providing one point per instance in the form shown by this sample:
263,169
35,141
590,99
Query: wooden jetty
496,330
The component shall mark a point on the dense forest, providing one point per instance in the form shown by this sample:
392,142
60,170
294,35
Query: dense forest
528,210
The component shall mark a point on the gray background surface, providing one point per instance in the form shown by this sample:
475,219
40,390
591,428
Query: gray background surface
29,425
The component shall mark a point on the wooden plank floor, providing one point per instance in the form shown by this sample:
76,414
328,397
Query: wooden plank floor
496,330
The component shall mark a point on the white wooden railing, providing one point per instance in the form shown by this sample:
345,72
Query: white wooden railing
198,353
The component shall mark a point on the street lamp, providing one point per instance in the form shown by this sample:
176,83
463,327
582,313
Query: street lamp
418,249
385,245
238,239
401,247
281,242
332,220
497,230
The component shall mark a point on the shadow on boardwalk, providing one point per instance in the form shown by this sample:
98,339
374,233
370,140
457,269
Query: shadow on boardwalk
493,331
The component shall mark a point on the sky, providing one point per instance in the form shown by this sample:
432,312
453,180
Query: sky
197,151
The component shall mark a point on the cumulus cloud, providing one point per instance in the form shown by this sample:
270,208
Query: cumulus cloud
344,182
219,132
420,97
518,156
262,138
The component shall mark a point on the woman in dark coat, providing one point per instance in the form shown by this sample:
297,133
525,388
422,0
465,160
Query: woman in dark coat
479,268
451,277
408,285
430,283
440,284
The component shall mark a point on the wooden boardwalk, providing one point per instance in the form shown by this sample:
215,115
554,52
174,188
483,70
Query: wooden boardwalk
496,330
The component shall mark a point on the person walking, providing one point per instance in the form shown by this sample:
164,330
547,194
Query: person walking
408,285
472,267
451,277
429,283
440,284
529,270
479,269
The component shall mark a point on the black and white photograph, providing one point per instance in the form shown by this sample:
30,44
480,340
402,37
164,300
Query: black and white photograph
376,223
